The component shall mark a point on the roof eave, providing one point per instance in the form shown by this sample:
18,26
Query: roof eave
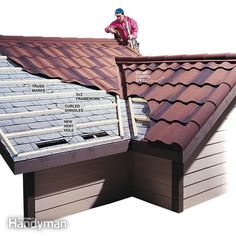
65,158
178,58
169,152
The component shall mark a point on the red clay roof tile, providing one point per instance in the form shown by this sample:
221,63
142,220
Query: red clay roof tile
182,91
90,62
178,112
174,133
204,113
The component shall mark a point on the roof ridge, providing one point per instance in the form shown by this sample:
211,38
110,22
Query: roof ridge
56,39
174,58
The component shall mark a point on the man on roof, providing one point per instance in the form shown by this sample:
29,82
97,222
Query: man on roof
124,28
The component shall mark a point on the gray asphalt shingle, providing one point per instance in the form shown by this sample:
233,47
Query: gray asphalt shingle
26,123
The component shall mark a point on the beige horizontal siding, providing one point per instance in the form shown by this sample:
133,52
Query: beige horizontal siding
61,179
219,136
66,190
207,162
205,185
82,205
229,122
205,174
205,196
93,189
212,149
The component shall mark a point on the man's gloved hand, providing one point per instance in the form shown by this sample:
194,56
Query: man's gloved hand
112,31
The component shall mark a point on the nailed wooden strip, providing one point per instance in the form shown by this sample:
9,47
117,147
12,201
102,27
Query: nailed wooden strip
51,111
5,69
119,114
142,118
59,128
132,117
37,96
100,106
3,57
29,81
7,143
141,100
30,113
68,147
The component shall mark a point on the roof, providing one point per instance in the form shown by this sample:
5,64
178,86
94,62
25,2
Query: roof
32,124
170,101
182,92
89,62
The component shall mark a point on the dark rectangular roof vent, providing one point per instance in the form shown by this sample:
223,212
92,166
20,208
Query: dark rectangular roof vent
94,135
51,143
87,136
101,134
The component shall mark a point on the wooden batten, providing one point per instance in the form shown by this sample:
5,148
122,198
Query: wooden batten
119,116
43,95
3,57
29,82
67,147
30,113
36,96
51,111
142,118
60,128
140,100
10,69
134,126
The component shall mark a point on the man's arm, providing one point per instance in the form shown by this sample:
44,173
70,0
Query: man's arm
133,28
110,28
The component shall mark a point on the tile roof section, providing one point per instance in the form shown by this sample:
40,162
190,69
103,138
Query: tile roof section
182,92
89,62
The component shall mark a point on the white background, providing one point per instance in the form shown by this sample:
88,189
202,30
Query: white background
166,27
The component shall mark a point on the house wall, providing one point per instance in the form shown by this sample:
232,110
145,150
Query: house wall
152,179
61,191
66,190
206,178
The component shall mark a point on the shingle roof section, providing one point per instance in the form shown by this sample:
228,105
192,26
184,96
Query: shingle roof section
27,121
182,92
89,62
